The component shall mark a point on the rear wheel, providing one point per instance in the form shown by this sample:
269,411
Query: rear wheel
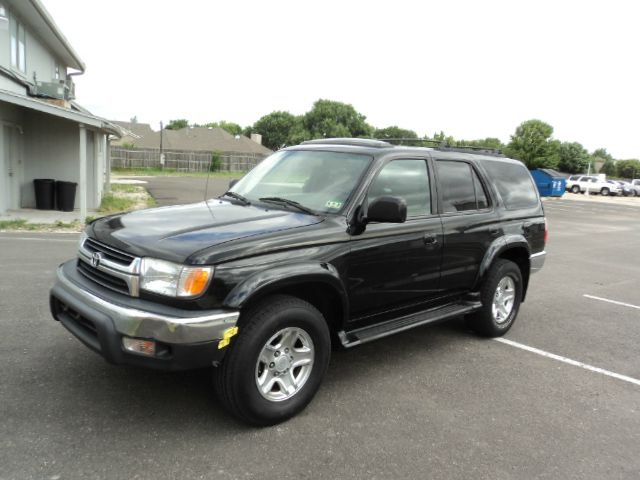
500,295
275,366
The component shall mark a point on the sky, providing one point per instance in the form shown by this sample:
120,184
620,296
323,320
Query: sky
472,69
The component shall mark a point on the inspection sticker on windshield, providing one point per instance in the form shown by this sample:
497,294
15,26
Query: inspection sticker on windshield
334,205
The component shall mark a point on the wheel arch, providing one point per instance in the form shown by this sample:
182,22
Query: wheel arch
318,284
514,248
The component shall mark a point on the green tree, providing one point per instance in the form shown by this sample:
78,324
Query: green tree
230,127
177,124
277,129
335,119
395,132
609,168
628,168
602,154
572,157
216,161
489,142
532,143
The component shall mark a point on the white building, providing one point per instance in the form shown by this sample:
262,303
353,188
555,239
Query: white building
43,132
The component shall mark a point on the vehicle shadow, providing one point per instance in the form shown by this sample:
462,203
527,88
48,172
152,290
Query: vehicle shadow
186,400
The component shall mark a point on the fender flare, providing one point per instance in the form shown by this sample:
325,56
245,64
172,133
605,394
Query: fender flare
270,280
499,246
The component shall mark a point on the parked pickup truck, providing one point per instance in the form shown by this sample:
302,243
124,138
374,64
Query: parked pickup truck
332,243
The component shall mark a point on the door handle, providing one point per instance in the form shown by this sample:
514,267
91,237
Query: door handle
430,239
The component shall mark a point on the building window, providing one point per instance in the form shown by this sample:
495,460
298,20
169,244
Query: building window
18,46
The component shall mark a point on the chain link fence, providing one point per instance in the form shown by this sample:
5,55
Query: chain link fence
184,161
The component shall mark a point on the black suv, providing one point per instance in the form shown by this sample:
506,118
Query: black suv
334,242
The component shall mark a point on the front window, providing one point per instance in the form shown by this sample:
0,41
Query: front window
18,46
407,179
320,181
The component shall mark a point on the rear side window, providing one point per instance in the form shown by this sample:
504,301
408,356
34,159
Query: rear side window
514,184
461,188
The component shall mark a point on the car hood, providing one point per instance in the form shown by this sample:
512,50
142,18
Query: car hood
177,232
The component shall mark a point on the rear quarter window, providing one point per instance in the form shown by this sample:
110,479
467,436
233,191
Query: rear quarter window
514,183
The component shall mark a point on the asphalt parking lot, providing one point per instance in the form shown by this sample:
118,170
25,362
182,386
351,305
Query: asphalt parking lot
435,402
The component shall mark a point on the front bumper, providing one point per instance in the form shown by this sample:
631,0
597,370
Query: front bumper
536,261
185,339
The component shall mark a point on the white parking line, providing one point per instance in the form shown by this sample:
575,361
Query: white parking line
611,301
575,363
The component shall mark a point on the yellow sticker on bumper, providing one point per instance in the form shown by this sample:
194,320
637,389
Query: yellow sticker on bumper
226,337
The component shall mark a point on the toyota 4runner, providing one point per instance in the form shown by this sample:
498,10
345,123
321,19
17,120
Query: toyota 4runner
334,242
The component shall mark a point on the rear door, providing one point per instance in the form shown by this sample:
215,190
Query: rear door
469,223
396,266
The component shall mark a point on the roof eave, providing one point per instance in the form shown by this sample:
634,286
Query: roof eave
79,64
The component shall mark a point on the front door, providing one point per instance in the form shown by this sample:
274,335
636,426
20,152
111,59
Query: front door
10,173
392,267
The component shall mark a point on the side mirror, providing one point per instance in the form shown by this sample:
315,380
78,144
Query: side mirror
387,210
233,182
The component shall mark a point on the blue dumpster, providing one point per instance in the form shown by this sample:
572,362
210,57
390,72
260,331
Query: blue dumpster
549,182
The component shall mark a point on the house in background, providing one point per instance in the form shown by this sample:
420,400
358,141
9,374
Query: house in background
194,143
43,132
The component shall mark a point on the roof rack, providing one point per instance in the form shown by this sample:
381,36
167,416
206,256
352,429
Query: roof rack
387,143
358,142
445,147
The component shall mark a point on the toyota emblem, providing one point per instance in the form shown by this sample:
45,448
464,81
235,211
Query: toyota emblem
95,259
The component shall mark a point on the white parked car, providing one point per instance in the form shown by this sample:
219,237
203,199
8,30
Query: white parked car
636,186
595,184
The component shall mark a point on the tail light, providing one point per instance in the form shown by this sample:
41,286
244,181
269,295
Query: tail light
546,231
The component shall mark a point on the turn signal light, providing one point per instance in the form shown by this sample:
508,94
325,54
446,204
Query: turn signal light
193,281
141,347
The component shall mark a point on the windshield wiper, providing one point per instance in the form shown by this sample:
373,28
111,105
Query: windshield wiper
237,196
291,203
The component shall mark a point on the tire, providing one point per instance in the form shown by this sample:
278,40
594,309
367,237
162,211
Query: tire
575,189
489,322
604,192
276,320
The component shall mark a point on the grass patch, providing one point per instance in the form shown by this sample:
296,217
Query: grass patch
112,203
20,224
124,198
12,224
169,172
124,188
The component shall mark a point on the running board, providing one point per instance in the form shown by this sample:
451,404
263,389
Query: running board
374,332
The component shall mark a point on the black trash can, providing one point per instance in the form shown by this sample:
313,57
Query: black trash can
65,195
45,193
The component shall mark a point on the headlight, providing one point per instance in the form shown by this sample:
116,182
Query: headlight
173,280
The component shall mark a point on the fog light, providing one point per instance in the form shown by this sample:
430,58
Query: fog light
141,347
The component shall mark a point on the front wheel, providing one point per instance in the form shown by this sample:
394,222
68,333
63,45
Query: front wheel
500,294
605,192
575,189
275,366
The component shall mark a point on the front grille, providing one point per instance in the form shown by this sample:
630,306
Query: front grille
103,278
108,253
109,267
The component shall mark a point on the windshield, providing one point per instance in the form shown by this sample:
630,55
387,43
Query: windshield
320,181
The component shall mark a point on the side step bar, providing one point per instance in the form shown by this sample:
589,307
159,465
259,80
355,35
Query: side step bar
358,336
